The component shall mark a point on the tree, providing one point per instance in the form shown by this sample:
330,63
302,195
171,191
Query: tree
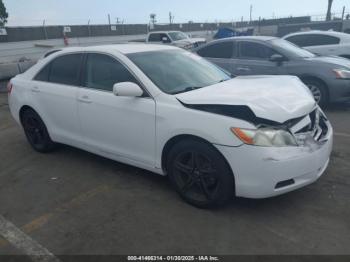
3,14
329,10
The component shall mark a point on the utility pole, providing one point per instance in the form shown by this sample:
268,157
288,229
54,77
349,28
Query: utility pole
44,27
343,14
109,19
89,29
329,10
171,18
251,13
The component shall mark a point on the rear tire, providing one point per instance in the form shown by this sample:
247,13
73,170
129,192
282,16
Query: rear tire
200,174
318,90
36,132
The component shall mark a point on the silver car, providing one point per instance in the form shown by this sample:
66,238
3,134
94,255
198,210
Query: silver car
327,77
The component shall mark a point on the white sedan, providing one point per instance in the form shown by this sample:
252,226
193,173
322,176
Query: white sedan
325,43
169,111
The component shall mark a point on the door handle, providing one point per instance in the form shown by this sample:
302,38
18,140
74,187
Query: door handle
243,69
85,100
35,89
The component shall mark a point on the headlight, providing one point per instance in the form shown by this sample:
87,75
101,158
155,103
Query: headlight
342,73
266,137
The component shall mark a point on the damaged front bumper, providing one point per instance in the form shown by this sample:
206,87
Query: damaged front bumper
262,172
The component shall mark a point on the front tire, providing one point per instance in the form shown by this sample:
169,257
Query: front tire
200,174
318,90
36,132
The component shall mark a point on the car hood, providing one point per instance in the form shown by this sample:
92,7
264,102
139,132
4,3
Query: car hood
190,41
197,40
275,98
335,60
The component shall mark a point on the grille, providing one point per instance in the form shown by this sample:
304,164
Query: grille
317,127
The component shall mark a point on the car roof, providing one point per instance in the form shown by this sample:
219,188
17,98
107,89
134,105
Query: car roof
331,33
259,38
121,48
160,32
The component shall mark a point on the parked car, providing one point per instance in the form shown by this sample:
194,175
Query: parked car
169,111
327,77
325,43
175,38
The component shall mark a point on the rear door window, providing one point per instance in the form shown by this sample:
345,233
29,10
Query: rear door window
62,70
218,50
66,69
43,75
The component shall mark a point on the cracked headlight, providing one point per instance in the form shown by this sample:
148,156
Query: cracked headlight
266,137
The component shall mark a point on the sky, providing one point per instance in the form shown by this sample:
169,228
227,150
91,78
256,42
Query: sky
64,12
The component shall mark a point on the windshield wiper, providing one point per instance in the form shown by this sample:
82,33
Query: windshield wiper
187,89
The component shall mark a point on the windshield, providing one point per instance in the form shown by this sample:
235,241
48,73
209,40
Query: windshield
291,49
178,71
176,36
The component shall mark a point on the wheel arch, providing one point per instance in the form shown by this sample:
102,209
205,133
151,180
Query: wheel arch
306,77
177,139
23,109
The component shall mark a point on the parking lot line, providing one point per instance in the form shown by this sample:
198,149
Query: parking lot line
342,134
23,242
42,220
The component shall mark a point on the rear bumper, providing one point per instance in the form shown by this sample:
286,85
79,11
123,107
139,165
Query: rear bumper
262,172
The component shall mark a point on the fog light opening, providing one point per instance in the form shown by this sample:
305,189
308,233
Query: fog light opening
285,183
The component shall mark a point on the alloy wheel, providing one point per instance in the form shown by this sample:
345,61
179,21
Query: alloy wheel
316,92
35,131
195,175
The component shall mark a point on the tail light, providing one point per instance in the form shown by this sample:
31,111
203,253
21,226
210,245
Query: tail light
9,87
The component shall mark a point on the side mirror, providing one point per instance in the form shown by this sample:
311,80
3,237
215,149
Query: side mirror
277,58
127,89
165,40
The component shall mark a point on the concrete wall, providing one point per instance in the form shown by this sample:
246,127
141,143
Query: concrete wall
266,30
346,26
286,29
16,34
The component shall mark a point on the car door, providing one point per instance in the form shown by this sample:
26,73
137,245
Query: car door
53,94
254,59
220,53
119,127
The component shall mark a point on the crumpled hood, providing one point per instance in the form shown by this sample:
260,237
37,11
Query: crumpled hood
275,98
335,60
